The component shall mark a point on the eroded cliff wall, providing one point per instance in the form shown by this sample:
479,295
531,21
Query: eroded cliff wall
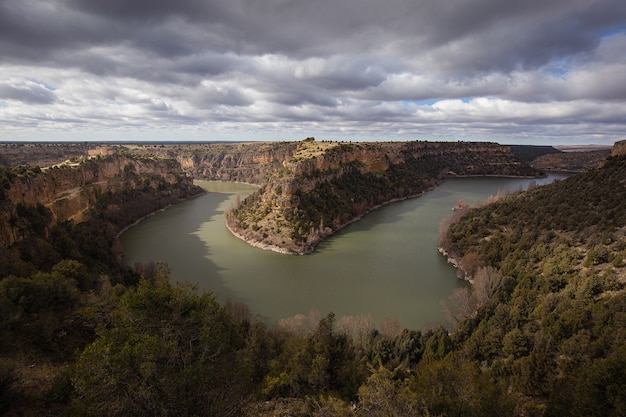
239,162
69,192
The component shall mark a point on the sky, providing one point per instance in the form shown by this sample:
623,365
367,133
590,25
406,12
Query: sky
527,72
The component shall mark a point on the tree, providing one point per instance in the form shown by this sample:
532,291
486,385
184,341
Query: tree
487,281
171,351
536,372
455,386
382,395
459,306
320,363
470,264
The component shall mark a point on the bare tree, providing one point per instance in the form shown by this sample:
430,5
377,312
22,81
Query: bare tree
487,281
470,264
390,327
459,306
463,302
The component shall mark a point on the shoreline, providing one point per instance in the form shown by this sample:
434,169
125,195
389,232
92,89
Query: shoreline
260,245
233,182
460,272
311,246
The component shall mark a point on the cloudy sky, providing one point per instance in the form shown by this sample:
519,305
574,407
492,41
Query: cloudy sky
531,71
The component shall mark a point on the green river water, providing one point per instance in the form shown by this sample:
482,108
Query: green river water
386,264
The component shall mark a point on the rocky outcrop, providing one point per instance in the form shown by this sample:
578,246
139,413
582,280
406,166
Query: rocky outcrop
619,149
69,192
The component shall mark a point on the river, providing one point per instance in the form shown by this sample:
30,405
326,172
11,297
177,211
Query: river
386,264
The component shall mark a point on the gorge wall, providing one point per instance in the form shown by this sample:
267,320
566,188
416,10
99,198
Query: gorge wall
619,149
239,162
69,192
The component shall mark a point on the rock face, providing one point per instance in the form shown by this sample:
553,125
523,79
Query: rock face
238,162
324,186
619,149
70,191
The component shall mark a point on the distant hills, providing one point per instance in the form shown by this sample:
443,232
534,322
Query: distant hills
575,158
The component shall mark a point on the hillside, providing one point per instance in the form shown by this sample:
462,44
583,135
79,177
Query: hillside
574,209
573,161
562,158
529,153
248,162
549,284
326,185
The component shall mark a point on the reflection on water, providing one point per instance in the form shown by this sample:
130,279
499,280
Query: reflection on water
386,264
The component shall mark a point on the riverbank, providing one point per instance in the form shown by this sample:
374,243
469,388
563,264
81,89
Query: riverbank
386,265
456,263
260,245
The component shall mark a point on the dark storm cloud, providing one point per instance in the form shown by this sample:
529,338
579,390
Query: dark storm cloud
397,64
150,9
34,27
501,34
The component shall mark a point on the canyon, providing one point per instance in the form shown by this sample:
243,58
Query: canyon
308,189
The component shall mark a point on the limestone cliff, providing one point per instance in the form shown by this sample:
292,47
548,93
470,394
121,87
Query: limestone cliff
239,162
309,189
619,149
326,185
69,192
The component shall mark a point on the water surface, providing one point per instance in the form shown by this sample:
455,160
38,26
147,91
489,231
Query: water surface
386,264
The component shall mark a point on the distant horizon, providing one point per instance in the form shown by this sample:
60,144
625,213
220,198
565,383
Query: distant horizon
198,142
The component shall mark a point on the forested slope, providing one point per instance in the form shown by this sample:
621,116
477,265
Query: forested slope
553,259
59,272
